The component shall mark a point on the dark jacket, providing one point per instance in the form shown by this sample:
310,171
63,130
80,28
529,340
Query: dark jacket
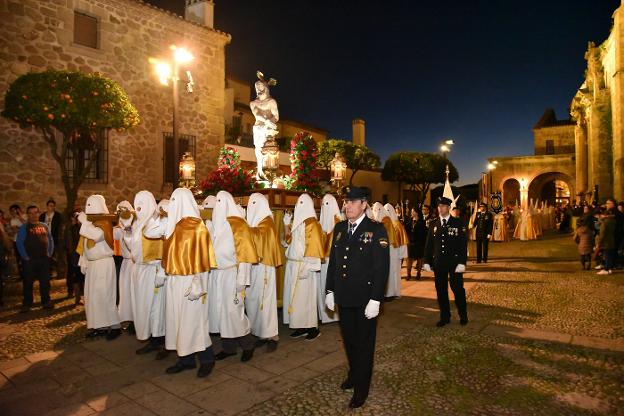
446,247
417,234
484,222
55,227
606,236
358,267
584,237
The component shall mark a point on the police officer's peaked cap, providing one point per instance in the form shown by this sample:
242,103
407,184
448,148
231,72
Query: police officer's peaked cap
444,201
355,193
483,204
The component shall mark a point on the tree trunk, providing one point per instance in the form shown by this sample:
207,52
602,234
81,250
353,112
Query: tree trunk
352,175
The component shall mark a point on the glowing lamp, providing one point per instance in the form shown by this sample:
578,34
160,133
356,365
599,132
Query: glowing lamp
187,167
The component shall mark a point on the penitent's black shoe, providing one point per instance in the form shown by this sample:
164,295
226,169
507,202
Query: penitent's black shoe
113,333
223,355
442,323
162,354
271,346
178,367
147,348
247,355
205,369
298,333
463,321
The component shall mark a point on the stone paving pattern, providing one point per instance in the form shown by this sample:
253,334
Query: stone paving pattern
543,339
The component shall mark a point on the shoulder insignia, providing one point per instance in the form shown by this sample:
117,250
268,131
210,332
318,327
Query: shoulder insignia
383,242
338,235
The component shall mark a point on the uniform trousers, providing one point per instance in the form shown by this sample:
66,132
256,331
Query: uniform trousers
204,357
358,334
442,277
482,248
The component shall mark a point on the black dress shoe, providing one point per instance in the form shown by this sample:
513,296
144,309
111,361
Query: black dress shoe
247,355
48,305
113,333
147,348
95,333
162,354
313,334
463,321
223,355
259,343
131,330
356,402
347,384
178,367
205,369
442,322
298,333
271,346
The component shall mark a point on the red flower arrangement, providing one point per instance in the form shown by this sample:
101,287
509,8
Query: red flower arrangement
303,154
229,175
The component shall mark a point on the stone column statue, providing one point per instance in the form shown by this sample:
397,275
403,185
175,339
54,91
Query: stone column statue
264,108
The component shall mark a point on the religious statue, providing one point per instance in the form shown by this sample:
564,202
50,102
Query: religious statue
264,108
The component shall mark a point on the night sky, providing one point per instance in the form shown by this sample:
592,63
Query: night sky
480,72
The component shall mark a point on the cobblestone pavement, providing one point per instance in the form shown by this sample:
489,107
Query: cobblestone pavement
544,338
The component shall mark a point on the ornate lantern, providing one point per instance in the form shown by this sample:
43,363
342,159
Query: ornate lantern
270,159
187,170
338,170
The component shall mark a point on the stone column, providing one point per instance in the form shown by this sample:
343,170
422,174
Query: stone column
580,147
601,152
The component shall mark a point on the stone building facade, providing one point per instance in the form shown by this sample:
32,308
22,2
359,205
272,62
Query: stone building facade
121,36
581,158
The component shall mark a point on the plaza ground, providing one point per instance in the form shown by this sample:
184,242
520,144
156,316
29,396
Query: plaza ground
544,338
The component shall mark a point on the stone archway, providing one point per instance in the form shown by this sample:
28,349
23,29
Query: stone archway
511,192
552,187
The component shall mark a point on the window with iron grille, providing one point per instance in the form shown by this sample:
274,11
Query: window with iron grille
187,144
86,30
93,157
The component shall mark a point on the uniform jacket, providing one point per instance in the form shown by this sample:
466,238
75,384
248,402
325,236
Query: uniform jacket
446,247
358,267
484,223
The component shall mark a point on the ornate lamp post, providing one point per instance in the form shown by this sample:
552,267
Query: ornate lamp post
167,71
270,159
445,148
187,170
338,168
491,166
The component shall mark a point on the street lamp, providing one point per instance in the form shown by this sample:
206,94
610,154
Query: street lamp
491,166
338,168
445,148
270,159
167,71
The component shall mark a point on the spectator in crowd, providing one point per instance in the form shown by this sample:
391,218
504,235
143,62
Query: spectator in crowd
75,277
618,233
35,246
18,218
584,238
606,240
587,217
5,247
417,233
52,220
620,261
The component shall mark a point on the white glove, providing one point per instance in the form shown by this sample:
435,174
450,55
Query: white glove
195,290
82,218
329,301
372,309
489,236
427,268
161,276
460,268
287,218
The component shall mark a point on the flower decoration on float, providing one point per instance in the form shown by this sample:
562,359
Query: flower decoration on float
304,174
229,175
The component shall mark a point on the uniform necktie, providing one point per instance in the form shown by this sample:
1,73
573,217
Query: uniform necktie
351,229
443,222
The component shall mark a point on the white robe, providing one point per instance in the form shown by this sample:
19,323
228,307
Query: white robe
187,329
325,314
300,286
125,278
261,301
148,301
100,291
227,304
393,289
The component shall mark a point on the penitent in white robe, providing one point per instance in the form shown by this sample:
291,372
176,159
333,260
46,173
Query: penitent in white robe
227,304
393,289
187,329
100,291
261,301
125,277
148,301
301,282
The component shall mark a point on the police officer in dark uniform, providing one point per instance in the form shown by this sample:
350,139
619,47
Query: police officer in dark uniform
357,274
446,251
484,222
